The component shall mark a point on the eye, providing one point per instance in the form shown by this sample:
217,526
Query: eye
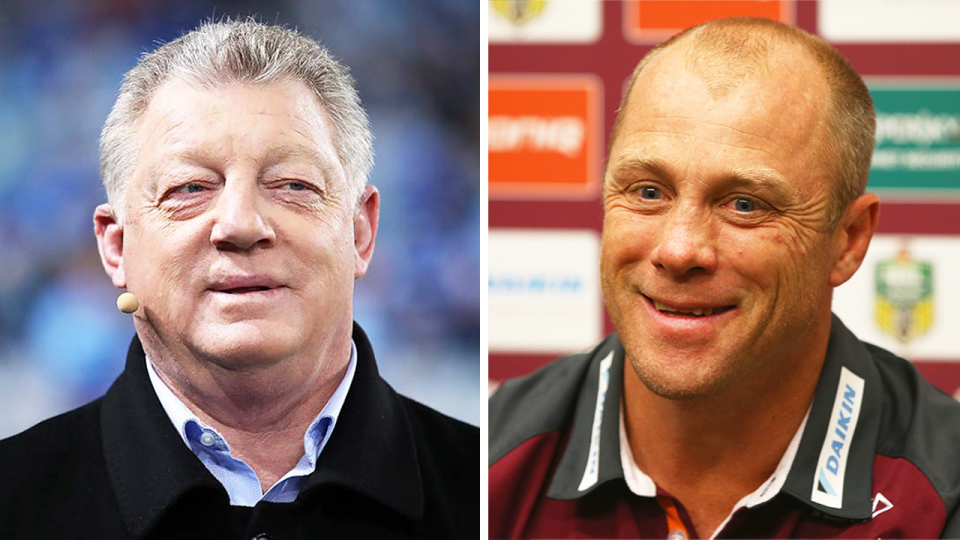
296,186
191,188
744,205
650,193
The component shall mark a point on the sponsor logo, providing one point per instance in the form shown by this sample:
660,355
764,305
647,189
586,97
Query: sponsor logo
904,297
880,504
518,12
536,284
544,21
543,290
918,137
544,136
832,466
651,21
593,456
921,128
898,21
858,304
561,134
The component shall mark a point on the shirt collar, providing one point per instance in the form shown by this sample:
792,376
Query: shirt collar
592,455
314,438
595,434
847,366
642,485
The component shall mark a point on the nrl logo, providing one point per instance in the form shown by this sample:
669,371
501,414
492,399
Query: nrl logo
518,12
904,306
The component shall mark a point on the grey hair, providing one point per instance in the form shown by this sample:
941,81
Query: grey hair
229,51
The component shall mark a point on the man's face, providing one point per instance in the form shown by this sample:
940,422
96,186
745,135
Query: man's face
715,255
239,233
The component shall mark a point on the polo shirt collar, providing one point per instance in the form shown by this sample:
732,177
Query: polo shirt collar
592,456
150,468
830,433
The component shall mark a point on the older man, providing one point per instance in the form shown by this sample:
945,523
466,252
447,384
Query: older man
235,162
730,402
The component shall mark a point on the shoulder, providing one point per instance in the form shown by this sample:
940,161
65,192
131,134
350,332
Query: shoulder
61,439
538,403
919,420
920,425
44,465
530,420
448,454
437,432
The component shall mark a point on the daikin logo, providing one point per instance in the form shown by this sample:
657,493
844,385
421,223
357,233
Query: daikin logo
832,467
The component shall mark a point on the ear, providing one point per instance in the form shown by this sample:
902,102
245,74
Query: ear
852,237
110,244
365,220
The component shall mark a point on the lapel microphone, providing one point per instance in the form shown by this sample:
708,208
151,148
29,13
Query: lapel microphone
127,302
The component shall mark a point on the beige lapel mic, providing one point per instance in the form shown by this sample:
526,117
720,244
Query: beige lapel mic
127,302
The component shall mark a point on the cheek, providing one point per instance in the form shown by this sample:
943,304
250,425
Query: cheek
162,262
783,266
626,239
764,257
320,250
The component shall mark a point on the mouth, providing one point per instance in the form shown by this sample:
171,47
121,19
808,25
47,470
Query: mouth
243,290
687,312
245,284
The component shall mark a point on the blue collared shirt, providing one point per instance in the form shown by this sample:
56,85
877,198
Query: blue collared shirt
237,477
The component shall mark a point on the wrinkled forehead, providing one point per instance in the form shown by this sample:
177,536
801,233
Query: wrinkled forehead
276,119
178,101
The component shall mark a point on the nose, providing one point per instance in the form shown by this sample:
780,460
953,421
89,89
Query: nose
239,223
687,244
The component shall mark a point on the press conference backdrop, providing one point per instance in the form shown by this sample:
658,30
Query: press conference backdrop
62,341
557,71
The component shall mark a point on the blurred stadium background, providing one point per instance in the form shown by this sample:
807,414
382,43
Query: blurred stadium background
62,340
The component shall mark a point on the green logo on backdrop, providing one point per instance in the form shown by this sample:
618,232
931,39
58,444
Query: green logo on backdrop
918,138
904,300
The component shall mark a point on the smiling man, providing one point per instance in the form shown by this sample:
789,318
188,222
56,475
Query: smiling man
235,163
730,402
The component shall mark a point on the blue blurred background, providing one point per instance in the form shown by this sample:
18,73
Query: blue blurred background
62,341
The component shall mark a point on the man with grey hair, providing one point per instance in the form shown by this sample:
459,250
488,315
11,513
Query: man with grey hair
235,162
730,402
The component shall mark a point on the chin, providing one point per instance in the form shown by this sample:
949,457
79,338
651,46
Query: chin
239,345
683,379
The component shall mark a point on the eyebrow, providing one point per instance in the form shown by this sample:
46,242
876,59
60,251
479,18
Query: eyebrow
766,179
284,153
633,164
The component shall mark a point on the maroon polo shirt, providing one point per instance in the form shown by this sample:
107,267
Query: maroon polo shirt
877,457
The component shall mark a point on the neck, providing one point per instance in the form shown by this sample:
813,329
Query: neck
694,449
262,413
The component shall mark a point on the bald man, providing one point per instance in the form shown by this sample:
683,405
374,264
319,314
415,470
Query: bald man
730,402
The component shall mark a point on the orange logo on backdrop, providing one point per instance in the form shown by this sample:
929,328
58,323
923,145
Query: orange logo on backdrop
544,136
651,21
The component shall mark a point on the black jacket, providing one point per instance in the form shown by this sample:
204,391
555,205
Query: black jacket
117,469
